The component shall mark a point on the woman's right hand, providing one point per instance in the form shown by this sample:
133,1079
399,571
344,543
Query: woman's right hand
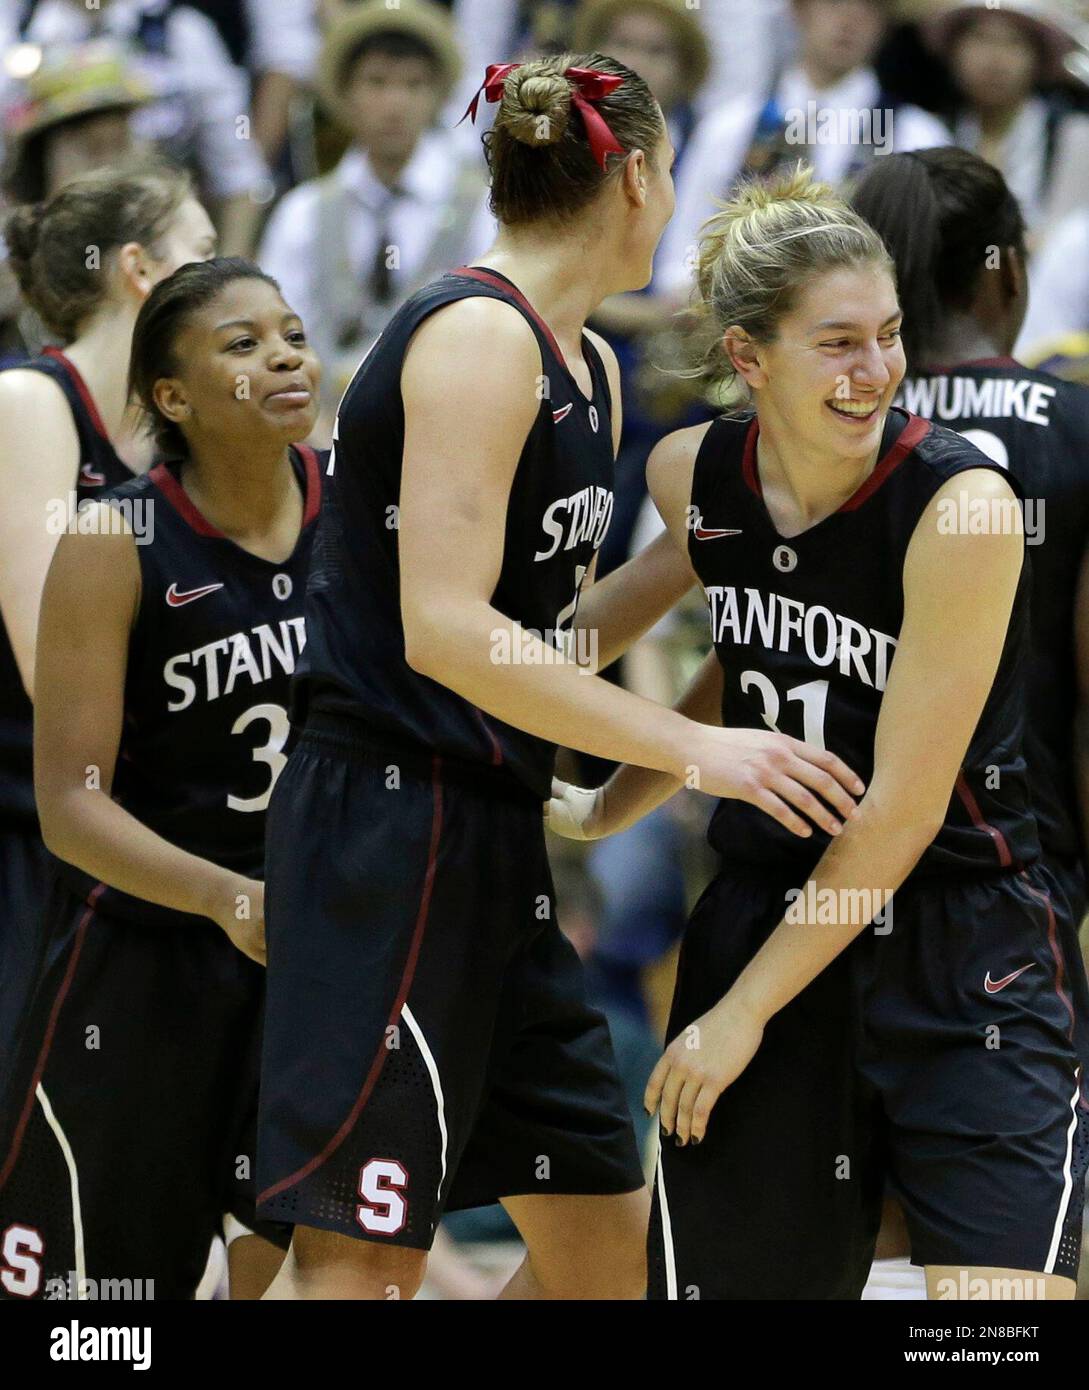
576,813
240,911
776,773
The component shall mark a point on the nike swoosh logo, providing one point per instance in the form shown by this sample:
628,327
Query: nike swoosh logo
993,986
712,533
177,600
91,477
563,413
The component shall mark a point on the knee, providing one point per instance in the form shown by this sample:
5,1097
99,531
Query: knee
612,1264
337,1266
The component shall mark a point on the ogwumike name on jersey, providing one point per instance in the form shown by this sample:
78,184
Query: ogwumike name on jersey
215,669
965,397
786,624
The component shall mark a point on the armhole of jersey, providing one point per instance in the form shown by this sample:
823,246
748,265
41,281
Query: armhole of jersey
701,469
600,373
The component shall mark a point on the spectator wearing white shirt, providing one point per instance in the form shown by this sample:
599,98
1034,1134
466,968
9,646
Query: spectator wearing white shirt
200,114
829,110
1058,291
404,204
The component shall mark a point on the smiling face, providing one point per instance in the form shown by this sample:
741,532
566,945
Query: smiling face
828,378
245,371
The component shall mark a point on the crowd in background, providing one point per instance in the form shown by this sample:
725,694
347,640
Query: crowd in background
324,137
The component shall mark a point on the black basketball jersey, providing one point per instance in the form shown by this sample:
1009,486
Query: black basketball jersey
806,631
99,468
213,648
1037,426
559,509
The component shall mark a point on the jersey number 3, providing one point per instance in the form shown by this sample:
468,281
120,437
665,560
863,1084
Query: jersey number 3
271,752
813,697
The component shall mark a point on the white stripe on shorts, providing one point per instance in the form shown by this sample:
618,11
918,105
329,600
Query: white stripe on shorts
436,1085
73,1182
1068,1184
667,1229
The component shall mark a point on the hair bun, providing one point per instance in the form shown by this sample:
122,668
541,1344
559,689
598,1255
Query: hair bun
22,233
536,105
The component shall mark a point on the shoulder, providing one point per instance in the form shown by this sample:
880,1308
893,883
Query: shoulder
33,405
491,325
917,129
671,465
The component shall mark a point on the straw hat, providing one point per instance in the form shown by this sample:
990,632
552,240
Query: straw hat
420,19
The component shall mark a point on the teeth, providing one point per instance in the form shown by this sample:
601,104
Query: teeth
854,407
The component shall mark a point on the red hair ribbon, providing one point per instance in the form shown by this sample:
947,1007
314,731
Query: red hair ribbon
591,86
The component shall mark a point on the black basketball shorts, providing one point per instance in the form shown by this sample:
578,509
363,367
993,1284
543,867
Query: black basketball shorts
127,1131
936,1057
428,1045
24,871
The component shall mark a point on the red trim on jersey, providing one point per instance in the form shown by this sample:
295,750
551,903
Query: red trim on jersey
971,805
915,430
313,482
497,750
403,988
50,1031
486,277
82,387
172,489
748,458
169,486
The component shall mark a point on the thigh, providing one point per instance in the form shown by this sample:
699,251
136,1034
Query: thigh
782,1198
555,1118
971,1040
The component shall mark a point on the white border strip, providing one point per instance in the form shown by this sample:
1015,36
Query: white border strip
436,1084
667,1229
1068,1184
73,1177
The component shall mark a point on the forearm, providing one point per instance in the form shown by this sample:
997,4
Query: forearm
502,668
271,112
857,875
88,829
633,792
620,608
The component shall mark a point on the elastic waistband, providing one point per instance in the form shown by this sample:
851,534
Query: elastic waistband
380,749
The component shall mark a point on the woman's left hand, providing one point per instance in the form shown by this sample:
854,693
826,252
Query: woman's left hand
699,1064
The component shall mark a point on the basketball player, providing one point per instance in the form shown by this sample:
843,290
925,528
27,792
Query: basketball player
827,1036
427,1043
85,261
956,234
171,623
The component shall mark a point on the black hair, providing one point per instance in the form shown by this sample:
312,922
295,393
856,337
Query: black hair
389,43
942,213
166,312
